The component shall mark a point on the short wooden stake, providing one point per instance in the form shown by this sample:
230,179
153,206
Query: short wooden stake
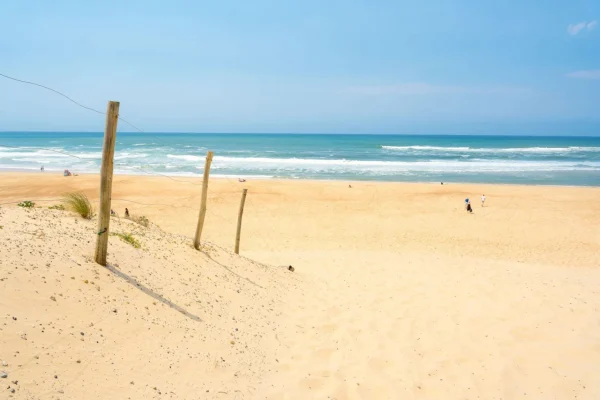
209,157
239,223
106,175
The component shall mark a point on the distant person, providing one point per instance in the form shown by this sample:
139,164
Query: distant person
469,209
126,213
350,186
67,173
482,200
42,169
112,212
442,183
467,202
241,180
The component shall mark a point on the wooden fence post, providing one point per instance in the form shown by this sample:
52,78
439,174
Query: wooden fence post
106,174
209,157
239,223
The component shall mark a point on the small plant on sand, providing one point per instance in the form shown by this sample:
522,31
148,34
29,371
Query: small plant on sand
128,238
140,219
26,204
59,207
79,203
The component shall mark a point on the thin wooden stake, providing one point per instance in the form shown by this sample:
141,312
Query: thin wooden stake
239,223
106,175
209,157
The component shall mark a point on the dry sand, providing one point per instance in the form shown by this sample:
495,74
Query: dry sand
398,293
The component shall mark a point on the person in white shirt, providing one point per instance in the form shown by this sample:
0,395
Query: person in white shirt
482,199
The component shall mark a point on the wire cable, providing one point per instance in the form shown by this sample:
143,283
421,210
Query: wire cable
67,97
93,110
52,90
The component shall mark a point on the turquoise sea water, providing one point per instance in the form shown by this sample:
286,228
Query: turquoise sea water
483,159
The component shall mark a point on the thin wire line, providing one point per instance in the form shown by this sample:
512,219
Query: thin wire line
67,97
101,113
52,90
94,110
154,136
129,123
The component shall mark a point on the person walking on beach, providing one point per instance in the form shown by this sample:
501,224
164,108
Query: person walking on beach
42,169
126,213
482,199
468,205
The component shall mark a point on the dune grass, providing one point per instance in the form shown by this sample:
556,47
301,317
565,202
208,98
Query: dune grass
128,238
26,204
79,203
59,207
141,220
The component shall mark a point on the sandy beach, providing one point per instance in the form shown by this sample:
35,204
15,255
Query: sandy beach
397,292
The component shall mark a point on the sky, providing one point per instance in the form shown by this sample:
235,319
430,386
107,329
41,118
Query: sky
336,66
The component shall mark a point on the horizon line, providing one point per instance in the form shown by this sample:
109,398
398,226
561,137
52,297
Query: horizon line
320,134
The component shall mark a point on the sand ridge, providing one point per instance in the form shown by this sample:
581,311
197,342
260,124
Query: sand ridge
163,321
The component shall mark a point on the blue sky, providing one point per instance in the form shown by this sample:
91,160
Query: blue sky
427,66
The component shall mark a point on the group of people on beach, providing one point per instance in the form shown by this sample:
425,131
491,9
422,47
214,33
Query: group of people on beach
114,213
468,203
66,172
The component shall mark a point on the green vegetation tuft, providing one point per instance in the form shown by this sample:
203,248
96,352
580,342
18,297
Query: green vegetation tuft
128,238
140,219
79,203
26,204
59,207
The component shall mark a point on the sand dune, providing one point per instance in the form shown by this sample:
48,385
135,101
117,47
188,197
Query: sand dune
163,321
397,293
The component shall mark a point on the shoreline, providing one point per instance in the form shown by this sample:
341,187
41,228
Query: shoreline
319,134
248,178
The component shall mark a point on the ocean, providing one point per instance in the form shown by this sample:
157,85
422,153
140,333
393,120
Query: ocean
397,158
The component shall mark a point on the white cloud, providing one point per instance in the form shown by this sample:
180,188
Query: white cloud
589,74
574,29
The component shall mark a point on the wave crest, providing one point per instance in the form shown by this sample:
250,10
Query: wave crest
495,150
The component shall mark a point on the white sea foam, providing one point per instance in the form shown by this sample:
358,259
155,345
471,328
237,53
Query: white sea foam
495,150
48,153
126,156
96,156
241,164
433,148
341,165
186,157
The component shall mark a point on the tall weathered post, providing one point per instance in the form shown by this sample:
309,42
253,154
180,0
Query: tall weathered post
106,175
239,222
209,157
